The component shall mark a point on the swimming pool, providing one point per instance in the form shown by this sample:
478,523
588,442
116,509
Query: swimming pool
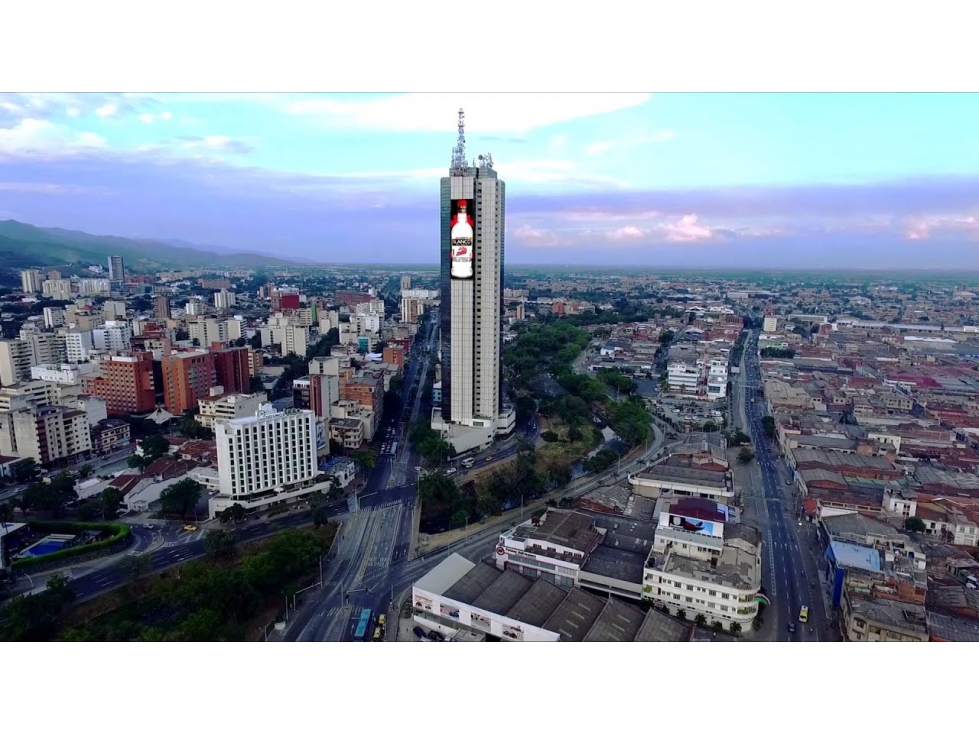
43,548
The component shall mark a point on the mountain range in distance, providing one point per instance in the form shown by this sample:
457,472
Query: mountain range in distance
26,246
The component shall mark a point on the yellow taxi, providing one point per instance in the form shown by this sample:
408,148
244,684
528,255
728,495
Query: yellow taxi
190,528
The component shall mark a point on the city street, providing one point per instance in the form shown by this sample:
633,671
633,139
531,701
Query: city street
790,575
377,536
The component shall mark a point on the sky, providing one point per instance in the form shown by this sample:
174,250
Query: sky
668,180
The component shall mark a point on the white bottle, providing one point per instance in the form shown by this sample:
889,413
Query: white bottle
462,245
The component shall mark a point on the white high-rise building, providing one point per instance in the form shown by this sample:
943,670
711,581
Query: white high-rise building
30,281
53,317
473,223
113,336
770,324
224,300
15,361
79,345
269,451
58,289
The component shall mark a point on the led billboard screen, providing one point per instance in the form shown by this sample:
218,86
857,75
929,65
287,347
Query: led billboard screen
461,235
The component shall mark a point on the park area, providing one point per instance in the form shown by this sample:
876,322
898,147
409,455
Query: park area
230,595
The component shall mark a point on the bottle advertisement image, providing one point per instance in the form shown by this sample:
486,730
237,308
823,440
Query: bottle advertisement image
461,236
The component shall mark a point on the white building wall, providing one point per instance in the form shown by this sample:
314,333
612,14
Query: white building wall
267,451
429,608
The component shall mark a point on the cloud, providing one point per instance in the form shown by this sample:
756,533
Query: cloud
149,119
42,138
33,187
215,143
15,107
924,228
629,232
534,237
552,171
490,113
686,229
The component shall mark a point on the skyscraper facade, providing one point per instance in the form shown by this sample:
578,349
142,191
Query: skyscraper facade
117,270
473,215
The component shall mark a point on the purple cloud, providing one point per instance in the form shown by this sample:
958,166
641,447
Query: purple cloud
162,193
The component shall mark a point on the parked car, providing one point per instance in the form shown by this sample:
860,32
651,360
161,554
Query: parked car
436,636
419,632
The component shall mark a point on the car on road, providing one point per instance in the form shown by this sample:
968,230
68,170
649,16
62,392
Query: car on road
148,526
190,528
791,628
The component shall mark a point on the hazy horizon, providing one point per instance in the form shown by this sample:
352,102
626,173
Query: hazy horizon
720,181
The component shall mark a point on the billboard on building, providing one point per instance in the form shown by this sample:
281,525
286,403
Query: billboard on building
446,610
423,602
513,632
461,236
701,527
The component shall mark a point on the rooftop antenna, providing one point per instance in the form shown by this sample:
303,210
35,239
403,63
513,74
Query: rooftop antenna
459,152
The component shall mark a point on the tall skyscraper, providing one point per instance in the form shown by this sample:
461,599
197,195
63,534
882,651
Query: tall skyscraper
117,270
472,247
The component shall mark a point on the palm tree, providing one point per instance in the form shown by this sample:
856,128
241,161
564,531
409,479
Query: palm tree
700,620
680,614
735,628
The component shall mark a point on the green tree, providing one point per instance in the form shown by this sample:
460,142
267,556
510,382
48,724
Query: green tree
234,514
109,500
746,455
915,525
768,426
718,626
700,620
459,518
85,471
181,497
681,614
735,628
50,497
153,447
35,617
320,516
193,429
219,543
25,470
366,460
710,427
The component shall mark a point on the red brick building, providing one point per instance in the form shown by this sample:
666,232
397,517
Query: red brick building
231,369
126,384
187,377
395,356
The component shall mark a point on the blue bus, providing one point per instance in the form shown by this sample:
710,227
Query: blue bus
363,626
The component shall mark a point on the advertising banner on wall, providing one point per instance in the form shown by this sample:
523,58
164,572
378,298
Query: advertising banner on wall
701,527
423,602
513,632
461,235
448,611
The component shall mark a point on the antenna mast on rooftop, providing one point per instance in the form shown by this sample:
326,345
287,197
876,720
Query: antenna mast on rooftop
459,152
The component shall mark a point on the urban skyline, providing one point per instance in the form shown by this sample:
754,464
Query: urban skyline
665,180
